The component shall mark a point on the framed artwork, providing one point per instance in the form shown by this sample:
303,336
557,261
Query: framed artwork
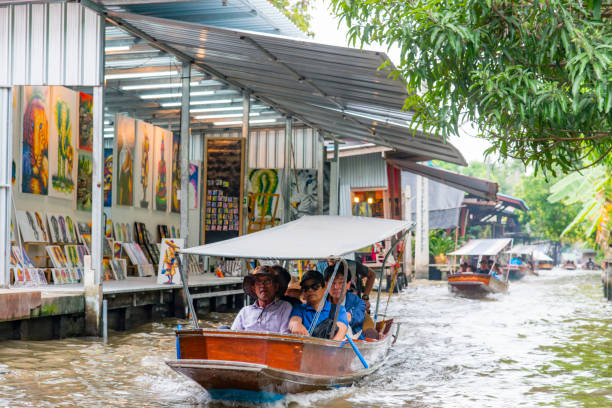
167,272
57,256
143,177
303,196
119,267
161,168
124,152
194,185
62,142
108,177
32,226
175,205
85,122
35,141
84,178
54,228
72,255
18,276
265,181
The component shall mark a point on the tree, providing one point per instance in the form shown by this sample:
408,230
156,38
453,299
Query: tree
297,12
533,76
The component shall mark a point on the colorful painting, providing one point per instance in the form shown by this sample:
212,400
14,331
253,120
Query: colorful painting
119,267
264,181
72,255
54,229
71,230
35,142
176,173
162,154
125,160
62,142
304,196
143,176
108,177
194,184
168,272
57,256
84,177
81,252
18,276
85,122
32,226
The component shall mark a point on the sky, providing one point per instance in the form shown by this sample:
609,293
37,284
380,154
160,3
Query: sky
326,30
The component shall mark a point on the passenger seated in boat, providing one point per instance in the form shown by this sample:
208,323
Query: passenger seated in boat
303,315
285,277
294,290
268,313
355,307
483,267
463,267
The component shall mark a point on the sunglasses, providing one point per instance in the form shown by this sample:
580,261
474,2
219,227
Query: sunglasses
314,286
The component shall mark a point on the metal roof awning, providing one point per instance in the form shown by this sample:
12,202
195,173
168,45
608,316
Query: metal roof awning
478,187
309,237
489,247
340,91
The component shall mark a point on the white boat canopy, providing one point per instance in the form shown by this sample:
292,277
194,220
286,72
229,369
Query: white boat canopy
541,256
310,237
489,247
522,249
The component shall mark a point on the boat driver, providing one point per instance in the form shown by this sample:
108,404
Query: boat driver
268,313
355,307
302,316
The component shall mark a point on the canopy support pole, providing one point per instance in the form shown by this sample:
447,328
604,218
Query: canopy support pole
287,170
407,267
246,112
192,312
6,144
334,181
185,136
320,170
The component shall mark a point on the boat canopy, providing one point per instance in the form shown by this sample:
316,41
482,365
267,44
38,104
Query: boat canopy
310,237
522,249
541,256
489,247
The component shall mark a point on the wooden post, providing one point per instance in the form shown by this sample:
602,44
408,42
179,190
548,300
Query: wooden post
421,256
408,237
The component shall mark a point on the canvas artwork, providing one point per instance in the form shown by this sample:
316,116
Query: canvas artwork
32,226
84,230
161,168
15,256
106,267
108,228
84,178
35,141
194,184
117,252
62,142
57,256
56,276
167,272
304,197
145,270
119,267
85,122
71,230
19,276
176,173
81,252
108,177
72,255
265,181
143,176
118,232
125,144
54,229
42,278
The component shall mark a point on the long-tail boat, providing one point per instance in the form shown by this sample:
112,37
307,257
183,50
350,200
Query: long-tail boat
478,283
264,367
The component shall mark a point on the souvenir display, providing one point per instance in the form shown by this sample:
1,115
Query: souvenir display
57,256
106,267
167,272
124,166
117,252
119,267
62,142
35,142
32,226
222,211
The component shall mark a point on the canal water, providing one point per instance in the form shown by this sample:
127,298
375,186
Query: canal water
547,343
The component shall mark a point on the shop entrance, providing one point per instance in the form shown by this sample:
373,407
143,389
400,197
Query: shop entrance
369,203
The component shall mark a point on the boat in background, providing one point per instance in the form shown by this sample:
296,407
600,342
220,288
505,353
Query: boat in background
475,283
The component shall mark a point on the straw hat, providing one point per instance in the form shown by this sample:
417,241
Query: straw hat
294,284
248,285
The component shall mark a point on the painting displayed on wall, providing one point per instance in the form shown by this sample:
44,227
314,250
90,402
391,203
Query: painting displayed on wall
62,142
35,141
194,185
161,167
84,177
261,182
304,197
85,122
168,272
145,133
32,226
124,152
108,177
176,173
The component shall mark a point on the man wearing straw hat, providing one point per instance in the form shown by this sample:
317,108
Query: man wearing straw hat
268,313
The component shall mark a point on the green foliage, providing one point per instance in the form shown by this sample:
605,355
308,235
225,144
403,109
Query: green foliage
297,12
535,77
440,243
506,174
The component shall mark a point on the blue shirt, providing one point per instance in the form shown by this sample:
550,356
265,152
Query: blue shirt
356,307
307,314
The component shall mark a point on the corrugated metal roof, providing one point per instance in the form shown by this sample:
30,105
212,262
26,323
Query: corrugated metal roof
340,91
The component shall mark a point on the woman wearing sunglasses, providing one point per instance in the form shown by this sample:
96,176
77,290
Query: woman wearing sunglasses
302,315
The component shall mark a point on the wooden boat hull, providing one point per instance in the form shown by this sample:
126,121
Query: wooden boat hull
476,284
515,274
263,367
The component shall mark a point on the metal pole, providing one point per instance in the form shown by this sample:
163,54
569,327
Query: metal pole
408,238
421,256
287,170
246,112
105,321
6,144
185,139
334,183
194,316
320,170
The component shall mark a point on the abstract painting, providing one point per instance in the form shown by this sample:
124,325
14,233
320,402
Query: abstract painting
71,230
85,122
35,147
176,173
32,228
62,142
84,177
161,168
168,272
264,181
108,177
72,255
194,179
304,197
57,256
125,160
54,229
143,176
